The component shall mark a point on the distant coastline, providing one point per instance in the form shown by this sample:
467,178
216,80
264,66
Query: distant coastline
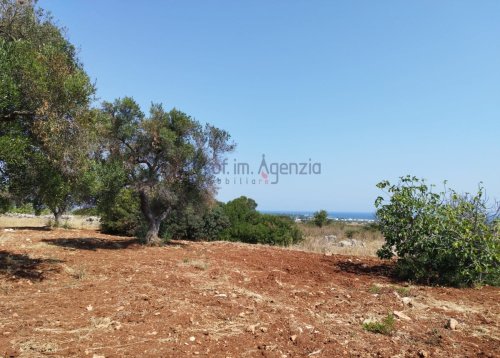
334,215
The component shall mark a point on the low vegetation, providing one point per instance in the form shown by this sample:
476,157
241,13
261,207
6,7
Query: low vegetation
326,239
385,326
237,220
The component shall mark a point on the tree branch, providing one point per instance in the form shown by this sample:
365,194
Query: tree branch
12,115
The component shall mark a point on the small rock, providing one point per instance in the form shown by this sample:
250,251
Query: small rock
263,329
192,339
423,354
401,315
293,338
221,295
406,301
452,324
90,308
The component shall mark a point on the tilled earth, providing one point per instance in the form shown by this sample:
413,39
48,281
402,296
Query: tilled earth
66,293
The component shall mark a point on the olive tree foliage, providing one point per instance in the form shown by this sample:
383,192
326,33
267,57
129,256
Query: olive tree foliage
445,237
320,218
46,125
168,159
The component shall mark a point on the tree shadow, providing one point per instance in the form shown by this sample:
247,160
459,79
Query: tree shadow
370,269
18,266
93,243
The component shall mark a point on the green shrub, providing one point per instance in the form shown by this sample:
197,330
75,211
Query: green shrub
386,326
250,226
441,238
320,218
238,220
5,202
122,216
201,223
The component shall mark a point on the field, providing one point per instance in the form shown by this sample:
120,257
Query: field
315,239
79,293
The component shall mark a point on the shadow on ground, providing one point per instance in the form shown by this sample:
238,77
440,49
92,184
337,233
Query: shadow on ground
93,243
368,269
20,266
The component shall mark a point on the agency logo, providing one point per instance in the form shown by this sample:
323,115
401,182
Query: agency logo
267,173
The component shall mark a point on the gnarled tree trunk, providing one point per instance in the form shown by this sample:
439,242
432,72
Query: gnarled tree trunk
57,212
151,237
153,219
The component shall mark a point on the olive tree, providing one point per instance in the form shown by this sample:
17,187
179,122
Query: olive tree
46,125
168,157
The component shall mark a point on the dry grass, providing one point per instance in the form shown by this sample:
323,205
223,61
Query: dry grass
315,239
69,222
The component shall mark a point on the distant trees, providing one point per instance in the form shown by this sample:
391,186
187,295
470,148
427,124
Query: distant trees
444,237
167,158
320,218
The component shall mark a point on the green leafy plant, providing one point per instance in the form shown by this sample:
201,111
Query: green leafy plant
386,326
440,238
121,215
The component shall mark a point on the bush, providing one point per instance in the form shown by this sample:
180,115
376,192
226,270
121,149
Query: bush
201,223
122,216
440,238
238,220
320,218
250,226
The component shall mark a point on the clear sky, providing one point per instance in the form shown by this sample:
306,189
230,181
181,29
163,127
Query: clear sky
372,90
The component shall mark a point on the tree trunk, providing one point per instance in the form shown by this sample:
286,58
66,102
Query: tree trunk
153,220
57,217
152,238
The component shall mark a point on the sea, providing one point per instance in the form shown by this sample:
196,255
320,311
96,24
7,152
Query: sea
334,215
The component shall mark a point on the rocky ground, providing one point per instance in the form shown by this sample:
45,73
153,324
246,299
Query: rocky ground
66,293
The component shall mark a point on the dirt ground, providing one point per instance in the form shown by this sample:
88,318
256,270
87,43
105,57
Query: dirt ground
66,293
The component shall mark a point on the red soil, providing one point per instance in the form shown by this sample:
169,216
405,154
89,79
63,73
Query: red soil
67,293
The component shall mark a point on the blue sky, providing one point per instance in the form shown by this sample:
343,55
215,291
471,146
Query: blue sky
372,90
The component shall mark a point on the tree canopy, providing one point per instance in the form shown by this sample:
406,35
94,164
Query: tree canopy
45,98
167,158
